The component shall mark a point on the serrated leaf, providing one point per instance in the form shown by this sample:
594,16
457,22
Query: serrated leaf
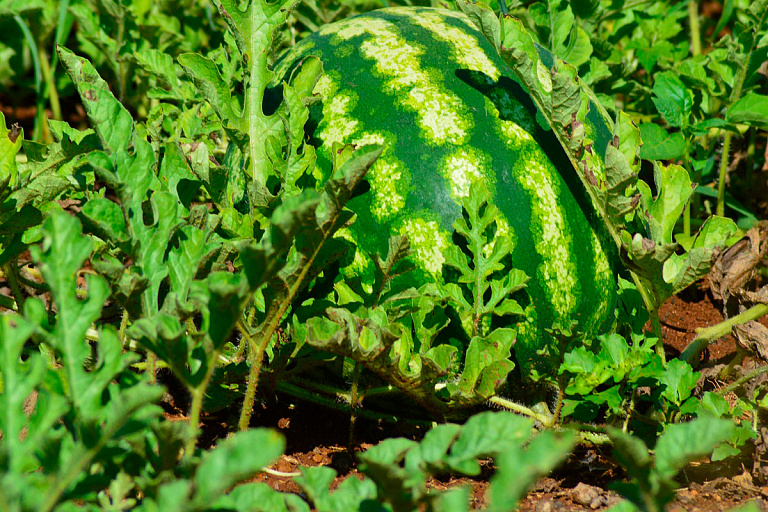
63,252
484,19
112,121
680,380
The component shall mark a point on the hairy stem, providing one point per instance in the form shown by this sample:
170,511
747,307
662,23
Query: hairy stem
121,332
303,394
708,335
693,26
11,274
353,406
722,174
196,408
256,357
547,421
656,325
743,380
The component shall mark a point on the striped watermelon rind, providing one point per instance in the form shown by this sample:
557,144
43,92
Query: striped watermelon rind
429,87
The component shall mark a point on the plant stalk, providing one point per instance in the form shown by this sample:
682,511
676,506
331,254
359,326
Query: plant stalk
722,174
121,332
196,408
353,407
708,335
11,273
256,356
743,379
694,29
656,325
547,421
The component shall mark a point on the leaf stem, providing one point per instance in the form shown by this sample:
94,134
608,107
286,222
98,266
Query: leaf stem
708,335
256,357
123,326
547,421
315,398
353,406
198,394
743,379
722,174
656,325
11,273
693,25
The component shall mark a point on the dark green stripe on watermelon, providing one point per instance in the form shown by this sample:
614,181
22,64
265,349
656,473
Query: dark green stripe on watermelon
428,85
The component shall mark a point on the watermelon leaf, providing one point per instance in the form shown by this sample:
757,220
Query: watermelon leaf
483,267
383,335
254,29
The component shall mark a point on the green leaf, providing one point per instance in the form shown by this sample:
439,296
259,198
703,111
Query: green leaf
20,379
348,497
300,155
112,121
658,144
674,191
107,219
234,460
673,99
518,468
751,109
486,255
714,404
484,19
680,380
487,434
63,252
10,144
684,442
260,497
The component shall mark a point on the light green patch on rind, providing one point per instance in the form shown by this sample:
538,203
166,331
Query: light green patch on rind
389,179
428,243
557,271
337,124
464,167
441,115
604,279
464,45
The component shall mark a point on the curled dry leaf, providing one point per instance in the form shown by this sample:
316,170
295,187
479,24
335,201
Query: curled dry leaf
734,280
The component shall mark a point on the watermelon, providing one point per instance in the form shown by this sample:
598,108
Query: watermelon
430,88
